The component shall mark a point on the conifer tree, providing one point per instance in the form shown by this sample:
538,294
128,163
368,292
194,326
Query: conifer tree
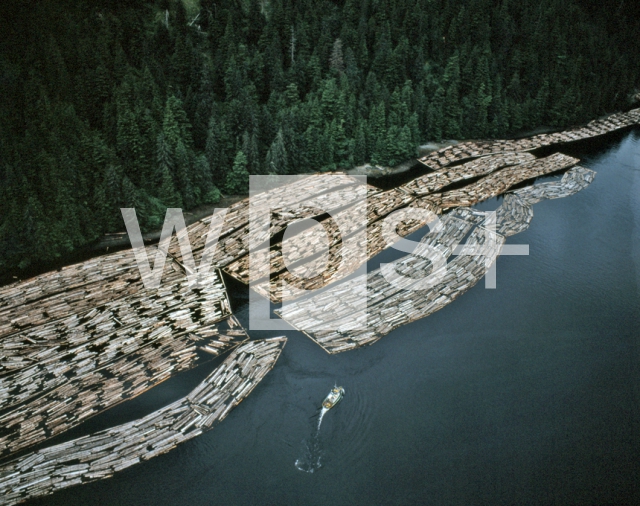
238,178
277,159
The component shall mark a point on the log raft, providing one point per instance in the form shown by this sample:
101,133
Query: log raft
51,397
104,453
467,150
135,313
338,320
342,262
75,347
435,181
501,164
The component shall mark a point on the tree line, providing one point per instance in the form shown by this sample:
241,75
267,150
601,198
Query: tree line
156,104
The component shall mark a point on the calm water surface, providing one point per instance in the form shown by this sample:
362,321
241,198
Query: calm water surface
527,394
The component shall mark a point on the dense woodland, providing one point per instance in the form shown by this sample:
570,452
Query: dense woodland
167,104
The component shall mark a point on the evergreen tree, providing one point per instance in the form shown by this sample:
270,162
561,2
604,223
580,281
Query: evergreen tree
452,109
238,178
141,104
277,160
336,61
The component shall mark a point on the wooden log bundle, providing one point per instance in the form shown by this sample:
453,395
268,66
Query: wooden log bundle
573,181
489,157
435,181
450,154
399,306
342,226
516,212
498,182
53,396
344,299
136,312
287,203
104,453
90,335
73,289
343,261
338,320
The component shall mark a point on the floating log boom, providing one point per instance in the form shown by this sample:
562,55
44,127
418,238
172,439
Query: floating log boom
104,453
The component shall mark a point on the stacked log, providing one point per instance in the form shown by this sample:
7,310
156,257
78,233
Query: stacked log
348,315
343,261
79,340
345,299
235,238
512,217
434,181
516,212
72,290
291,202
402,306
136,312
499,182
573,181
104,453
60,392
490,156
451,154
340,227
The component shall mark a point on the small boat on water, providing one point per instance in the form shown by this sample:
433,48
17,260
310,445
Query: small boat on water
334,397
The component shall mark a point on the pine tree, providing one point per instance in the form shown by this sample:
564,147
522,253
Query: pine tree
238,178
360,153
167,192
378,134
452,109
183,175
336,62
277,159
435,115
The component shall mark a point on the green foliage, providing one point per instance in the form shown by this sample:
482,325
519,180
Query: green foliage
238,178
108,105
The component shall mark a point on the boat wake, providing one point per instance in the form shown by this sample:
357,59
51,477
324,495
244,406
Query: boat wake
324,410
311,459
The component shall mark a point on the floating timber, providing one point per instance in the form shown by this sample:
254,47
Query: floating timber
338,319
292,202
435,181
80,340
340,227
573,181
498,182
403,304
343,261
117,317
74,289
466,150
104,453
60,392
305,198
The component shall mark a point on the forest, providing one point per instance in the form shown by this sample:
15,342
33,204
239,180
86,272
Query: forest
169,103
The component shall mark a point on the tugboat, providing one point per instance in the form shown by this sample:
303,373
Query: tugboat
334,397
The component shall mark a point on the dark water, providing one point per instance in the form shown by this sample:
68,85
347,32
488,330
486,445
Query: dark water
527,394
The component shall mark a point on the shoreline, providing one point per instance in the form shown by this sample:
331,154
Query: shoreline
117,241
